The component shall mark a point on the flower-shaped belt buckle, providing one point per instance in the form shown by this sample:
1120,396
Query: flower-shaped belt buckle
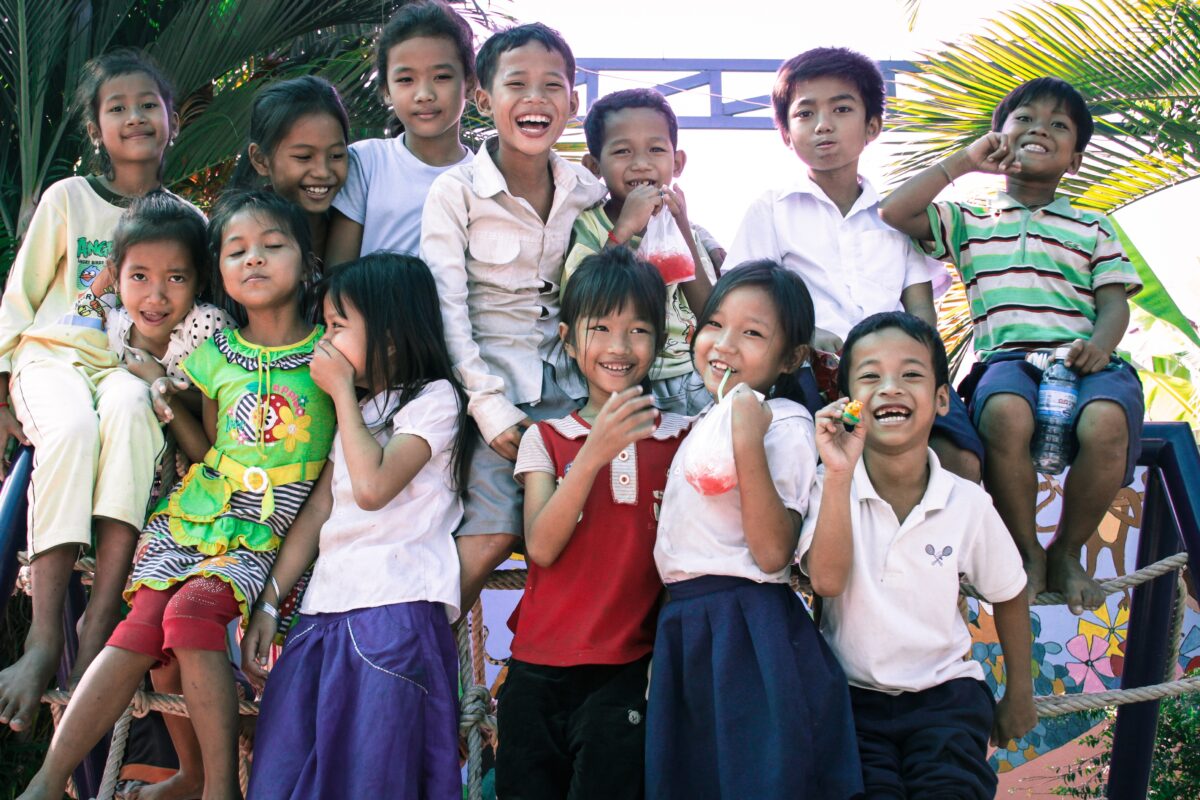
255,480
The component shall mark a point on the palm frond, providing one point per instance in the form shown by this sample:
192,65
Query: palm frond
1136,61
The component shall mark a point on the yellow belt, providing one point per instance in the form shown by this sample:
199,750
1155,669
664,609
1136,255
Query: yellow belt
260,480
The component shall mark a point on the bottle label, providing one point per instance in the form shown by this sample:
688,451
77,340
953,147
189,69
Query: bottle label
1056,402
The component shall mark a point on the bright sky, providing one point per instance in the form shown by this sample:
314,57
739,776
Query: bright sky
726,170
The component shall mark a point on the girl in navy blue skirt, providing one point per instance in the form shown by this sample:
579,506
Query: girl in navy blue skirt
746,699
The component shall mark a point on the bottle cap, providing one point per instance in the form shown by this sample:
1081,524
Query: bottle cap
1060,353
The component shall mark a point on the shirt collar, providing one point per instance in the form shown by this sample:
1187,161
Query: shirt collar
806,185
670,426
488,181
1061,205
937,492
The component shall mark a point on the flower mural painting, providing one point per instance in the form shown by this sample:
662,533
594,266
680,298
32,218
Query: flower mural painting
1092,665
1107,626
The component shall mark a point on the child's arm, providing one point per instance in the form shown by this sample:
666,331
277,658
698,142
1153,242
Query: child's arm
1016,714
377,473
1112,318
697,290
551,512
772,530
343,243
194,437
906,209
917,300
831,553
298,551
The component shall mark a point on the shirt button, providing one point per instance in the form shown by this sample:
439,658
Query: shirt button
623,480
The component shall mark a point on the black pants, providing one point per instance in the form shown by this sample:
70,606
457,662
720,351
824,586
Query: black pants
924,745
572,732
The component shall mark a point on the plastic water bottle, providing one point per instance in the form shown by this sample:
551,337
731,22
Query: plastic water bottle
1058,396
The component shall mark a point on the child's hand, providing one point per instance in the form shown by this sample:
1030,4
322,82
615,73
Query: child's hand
625,417
161,391
330,370
992,153
509,440
144,365
256,646
826,342
639,206
677,205
750,417
1015,716
839,449
10,427
1085,357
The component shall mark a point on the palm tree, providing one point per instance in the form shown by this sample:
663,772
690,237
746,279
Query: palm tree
218,53
1138,64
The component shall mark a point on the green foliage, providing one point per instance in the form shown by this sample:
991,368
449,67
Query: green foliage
1175,769
20,755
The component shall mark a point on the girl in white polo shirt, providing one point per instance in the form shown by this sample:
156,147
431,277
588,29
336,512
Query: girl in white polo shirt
746,699
363,699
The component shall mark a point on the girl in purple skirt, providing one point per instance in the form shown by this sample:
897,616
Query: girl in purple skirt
363,699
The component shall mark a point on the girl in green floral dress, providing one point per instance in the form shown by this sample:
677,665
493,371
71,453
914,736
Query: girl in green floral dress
209,547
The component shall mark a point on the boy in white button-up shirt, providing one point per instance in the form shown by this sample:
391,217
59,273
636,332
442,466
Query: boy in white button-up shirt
891,534
495,232
825,224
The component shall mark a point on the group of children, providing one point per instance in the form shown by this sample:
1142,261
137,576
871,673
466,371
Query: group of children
484,364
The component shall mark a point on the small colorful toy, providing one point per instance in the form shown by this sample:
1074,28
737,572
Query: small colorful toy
850,413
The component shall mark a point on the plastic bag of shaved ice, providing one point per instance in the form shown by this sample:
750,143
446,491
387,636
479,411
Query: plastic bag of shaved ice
665,248
708,464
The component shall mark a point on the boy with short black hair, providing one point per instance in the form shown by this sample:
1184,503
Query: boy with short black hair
891,533
632,140
494,232
825,225
1040,274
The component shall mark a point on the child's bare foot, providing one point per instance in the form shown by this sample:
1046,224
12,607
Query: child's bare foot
180,786
22,684
1035,573
1065,574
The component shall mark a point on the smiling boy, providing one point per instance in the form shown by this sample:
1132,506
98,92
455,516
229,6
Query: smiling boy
632,139
890,534
494,232
1040,274
825,226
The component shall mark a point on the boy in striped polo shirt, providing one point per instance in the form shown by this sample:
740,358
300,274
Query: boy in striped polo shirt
1040,273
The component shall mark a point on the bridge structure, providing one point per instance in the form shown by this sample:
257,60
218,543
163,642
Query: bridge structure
707,75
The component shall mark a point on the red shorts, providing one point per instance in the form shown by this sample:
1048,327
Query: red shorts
192,615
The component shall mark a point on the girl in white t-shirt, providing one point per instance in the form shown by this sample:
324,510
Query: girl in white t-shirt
746,699
425,58
363,699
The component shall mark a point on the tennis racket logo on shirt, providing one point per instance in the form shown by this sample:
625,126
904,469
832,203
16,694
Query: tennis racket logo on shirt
937,558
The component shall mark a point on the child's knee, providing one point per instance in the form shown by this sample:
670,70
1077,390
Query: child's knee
1102,430
1006,422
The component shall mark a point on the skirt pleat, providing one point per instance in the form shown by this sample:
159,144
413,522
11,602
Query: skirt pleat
746,699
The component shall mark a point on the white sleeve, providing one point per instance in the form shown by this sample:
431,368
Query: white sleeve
432,415
444,248
919,268
791,447
992,563
351,200
756,237
532,455
809,527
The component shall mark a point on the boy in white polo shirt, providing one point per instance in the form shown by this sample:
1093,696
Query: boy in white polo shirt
891,533
824,225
